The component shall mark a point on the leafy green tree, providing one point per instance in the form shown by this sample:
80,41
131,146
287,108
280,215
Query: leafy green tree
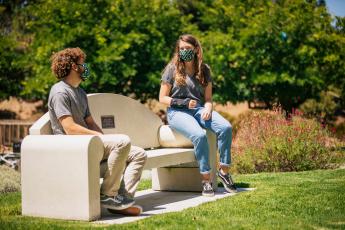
13,67
280,52
128,43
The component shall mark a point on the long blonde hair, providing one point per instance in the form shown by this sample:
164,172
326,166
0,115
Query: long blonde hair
199,66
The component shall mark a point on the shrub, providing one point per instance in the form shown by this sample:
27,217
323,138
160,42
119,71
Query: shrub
9,180
327,108
266,141
339,130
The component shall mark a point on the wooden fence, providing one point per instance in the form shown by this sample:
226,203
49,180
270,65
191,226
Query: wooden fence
13,130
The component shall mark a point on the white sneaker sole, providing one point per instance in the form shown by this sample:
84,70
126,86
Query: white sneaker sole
227,189
207,195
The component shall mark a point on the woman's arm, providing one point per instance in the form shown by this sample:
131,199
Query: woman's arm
206,114
164,94
165,99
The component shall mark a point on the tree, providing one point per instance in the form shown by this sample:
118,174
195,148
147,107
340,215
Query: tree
279,52
13,44
128,43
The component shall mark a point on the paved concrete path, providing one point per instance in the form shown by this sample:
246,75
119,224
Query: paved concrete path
156,202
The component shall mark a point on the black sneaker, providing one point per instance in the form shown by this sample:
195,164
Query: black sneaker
227,182
207,189
118,202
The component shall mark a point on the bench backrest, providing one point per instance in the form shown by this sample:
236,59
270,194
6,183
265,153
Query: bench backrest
115,113
130,116
41,126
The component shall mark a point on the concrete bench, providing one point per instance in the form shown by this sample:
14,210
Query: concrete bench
61,173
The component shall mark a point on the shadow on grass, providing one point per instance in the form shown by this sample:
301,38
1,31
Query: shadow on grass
238,185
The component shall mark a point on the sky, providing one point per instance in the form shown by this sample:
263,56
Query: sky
336,7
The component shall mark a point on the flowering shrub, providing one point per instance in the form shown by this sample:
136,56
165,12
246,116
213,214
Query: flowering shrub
267,141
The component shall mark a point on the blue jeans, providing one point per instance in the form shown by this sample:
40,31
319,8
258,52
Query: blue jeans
189,123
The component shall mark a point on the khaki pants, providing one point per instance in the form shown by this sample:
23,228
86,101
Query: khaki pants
122,165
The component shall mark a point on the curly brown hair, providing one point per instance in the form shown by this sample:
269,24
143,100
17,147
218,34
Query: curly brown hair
62,61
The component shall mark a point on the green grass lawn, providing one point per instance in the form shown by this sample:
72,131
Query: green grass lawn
299,200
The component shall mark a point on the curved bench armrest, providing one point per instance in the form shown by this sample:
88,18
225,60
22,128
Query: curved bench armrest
60,176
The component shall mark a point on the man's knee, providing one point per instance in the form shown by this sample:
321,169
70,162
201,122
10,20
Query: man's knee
140,155
118,144
143,155
121,142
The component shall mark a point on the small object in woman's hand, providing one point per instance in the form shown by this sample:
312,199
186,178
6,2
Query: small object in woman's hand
192,104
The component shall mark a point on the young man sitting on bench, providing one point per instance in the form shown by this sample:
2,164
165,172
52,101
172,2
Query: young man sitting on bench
69,115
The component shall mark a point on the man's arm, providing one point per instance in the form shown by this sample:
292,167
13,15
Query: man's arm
72,128
92,124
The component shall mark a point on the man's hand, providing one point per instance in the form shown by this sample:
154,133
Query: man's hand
92,125
192,104
72,128
206,114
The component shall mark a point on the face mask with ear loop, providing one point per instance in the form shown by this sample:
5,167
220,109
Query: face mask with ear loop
86,73
187,55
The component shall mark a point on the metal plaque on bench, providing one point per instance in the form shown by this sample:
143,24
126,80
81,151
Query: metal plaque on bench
108,122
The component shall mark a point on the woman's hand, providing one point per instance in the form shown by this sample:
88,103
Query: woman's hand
206,114
192,104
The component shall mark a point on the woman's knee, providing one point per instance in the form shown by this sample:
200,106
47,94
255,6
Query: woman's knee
199,137
226,129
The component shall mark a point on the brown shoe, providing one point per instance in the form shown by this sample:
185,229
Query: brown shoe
134,210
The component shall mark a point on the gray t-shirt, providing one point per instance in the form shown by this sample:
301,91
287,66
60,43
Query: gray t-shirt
67,100
192,89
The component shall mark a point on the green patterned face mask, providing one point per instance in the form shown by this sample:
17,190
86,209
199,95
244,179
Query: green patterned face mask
187,55
86,73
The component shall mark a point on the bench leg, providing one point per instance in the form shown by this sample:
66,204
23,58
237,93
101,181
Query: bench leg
185,177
